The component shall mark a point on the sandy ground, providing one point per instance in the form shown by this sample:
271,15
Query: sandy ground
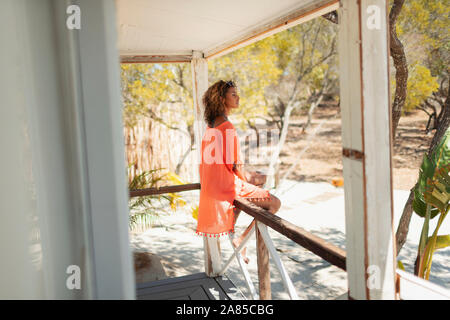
310,201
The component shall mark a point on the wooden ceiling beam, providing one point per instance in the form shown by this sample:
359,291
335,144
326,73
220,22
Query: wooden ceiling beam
155,58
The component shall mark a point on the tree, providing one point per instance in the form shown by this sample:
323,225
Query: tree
401,66
306,55
160,91
429,31
253,68
424,24
434,106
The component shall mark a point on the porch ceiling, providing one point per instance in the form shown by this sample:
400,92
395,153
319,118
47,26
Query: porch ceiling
179,27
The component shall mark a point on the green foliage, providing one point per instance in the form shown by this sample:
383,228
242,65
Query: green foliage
253,68
420,86
144,211
149,89
442,242
437,192
424,30
306,54
431,199
426,21
429,174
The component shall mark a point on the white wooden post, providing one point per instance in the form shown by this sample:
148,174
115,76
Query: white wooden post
367,145
213,256
199,69
262,260
102,143
276,258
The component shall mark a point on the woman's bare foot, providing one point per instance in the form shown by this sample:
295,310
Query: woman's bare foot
236,243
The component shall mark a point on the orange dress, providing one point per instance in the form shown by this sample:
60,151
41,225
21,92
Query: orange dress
219,184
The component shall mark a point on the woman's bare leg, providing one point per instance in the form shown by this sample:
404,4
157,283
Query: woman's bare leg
272,205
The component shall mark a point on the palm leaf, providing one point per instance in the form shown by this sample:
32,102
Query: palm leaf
145,210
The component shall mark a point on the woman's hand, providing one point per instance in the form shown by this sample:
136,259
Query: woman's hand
256,177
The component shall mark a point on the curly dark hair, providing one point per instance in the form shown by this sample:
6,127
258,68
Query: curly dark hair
213,100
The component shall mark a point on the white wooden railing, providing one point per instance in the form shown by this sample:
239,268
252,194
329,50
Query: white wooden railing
266,248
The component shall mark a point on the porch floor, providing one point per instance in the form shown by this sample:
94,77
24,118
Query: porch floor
191,287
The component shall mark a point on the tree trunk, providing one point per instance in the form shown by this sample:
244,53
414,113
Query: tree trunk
310,112
188,151
272,170
401,66
255,128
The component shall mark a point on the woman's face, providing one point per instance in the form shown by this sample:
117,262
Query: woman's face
231,99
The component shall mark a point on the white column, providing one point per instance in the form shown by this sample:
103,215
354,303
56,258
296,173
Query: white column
367,145
104,148
199,68
63,195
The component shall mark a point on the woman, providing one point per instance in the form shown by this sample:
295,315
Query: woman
222,176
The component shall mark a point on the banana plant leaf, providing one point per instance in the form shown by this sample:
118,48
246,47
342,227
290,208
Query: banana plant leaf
433,185
442,242
431,199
